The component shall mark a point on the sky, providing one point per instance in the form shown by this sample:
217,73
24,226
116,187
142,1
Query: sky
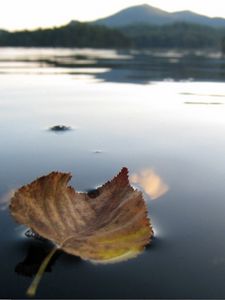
31,14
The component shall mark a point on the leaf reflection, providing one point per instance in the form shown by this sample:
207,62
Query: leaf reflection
152,184
34,257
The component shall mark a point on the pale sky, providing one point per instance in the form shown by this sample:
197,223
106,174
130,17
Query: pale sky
30,14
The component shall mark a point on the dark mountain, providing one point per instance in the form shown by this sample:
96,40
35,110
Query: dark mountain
2,31
191,17
138,27
137,14
147,14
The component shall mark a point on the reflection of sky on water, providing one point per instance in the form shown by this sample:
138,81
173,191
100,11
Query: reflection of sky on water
130,66
133,125
5,199
24,53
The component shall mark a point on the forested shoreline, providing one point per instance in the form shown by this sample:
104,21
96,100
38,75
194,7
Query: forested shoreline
76,34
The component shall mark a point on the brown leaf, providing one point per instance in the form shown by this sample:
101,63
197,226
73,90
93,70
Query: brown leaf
107,225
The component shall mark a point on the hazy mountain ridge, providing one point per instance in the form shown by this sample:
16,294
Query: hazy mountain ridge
140,26
191,17
2,31
136,14
153,16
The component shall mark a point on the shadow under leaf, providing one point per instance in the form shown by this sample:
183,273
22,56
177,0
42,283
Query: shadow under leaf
36,253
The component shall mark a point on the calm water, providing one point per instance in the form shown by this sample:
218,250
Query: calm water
162,115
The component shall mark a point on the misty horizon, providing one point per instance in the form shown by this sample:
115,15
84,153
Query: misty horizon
103,16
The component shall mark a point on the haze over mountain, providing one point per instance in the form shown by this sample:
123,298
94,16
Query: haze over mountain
150,15
138,27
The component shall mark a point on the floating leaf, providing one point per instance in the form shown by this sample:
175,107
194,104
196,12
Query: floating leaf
106,226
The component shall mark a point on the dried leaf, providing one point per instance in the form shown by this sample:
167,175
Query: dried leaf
108,225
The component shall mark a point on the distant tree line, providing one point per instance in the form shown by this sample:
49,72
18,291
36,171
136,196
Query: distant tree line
76,34
73,35
178,35
223,45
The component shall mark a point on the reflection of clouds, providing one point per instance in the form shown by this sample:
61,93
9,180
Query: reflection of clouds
151,182
5,199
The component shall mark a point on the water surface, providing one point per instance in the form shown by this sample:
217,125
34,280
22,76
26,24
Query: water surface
159,114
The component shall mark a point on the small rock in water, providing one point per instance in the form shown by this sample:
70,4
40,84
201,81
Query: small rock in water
60,128
97,151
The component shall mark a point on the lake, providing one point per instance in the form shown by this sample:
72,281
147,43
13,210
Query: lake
159,113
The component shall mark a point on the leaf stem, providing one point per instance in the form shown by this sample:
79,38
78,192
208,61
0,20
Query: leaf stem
33,287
